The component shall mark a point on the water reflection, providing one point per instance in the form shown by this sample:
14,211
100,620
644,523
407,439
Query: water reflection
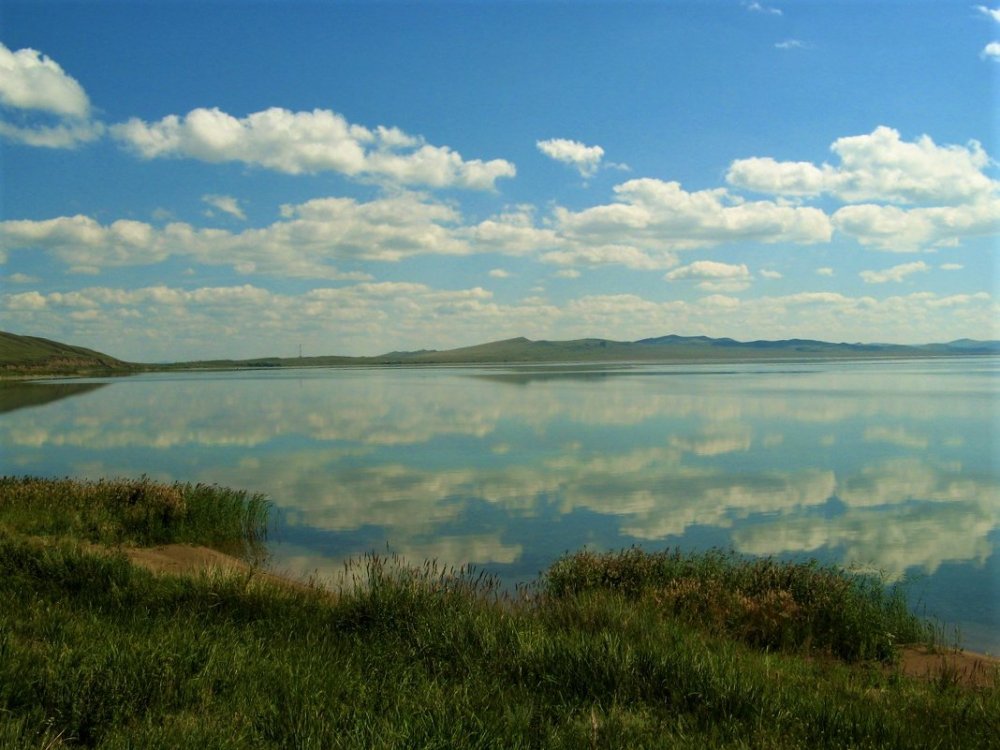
20,394
890,466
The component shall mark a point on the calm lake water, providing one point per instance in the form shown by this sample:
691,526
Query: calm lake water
885,466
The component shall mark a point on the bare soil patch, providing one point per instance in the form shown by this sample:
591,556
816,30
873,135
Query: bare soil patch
965,668
183,559
188,559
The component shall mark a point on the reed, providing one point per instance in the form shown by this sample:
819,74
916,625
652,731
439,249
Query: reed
134,511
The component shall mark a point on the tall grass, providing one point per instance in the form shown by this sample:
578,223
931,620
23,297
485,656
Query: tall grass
134,511
97,653
762,602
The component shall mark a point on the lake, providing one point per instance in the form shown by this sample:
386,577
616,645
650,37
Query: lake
884,466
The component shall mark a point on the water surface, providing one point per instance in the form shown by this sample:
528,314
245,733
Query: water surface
887,466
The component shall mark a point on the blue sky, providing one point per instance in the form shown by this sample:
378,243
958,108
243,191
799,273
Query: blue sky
187,180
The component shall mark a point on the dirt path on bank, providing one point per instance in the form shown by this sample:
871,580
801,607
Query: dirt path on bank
188,559
183,559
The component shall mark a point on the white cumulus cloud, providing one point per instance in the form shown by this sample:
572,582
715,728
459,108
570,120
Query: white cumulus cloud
991,51
878,166
31,80
585,159
653,217
899,195
893,229
225,203
993,13
896,273
713,276
67,135
309,142
304,243
39,90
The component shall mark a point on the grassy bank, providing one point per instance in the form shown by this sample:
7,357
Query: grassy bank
137,512
621,650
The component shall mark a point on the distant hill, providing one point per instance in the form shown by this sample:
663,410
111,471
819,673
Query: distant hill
661,349
678,348
31,355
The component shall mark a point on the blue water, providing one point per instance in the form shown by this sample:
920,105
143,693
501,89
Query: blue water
884,466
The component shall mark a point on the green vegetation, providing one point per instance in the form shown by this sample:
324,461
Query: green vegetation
621,650
794,607
31,355
137,512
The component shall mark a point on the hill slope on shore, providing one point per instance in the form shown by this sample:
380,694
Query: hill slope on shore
31,355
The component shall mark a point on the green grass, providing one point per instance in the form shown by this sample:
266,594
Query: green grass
97,653
803,607
134,512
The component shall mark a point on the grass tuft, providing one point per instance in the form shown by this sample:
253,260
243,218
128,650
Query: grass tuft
805,607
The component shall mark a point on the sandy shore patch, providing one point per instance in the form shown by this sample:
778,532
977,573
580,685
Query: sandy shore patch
189,559
183,559
961,667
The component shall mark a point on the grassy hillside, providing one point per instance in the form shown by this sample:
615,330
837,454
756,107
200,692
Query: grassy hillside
30,355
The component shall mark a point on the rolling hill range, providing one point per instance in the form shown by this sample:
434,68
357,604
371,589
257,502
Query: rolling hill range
29,355
679,348
661,349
